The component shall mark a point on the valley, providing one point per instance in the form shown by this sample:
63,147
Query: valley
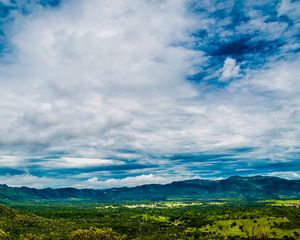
183,220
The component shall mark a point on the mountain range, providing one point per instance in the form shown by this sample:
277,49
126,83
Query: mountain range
256,187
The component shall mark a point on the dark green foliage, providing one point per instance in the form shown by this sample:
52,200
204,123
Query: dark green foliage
96,234
233,224
82,220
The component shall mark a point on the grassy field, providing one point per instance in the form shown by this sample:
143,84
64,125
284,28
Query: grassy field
289,202
222,219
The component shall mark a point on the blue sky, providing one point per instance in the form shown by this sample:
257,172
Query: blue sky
121,93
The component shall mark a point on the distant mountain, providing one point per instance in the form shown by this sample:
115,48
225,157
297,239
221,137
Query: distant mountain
257,187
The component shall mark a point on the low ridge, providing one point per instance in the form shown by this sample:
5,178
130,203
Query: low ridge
257,187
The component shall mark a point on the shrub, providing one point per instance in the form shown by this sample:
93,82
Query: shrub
3,234
30,236
96,234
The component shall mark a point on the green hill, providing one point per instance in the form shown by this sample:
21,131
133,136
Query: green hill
257,187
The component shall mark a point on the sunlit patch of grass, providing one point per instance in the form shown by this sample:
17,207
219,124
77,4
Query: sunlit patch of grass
264,226
157,218
276,202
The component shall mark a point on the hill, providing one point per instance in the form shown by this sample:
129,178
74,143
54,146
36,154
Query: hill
257,187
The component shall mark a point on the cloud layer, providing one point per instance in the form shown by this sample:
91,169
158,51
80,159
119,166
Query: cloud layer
113,93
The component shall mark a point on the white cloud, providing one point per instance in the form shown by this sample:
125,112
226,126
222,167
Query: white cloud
289,8
94,182
287,175
283,77
82,73
32,181
230,69
8,160
129,181
72,162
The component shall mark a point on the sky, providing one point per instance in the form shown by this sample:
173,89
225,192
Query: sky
100,94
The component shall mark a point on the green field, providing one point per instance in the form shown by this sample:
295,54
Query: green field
214,219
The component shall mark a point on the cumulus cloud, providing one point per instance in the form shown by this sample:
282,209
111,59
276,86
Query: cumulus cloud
40,182
130,181
230,69
85,72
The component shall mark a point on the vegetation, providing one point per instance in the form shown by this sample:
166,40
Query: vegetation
226,219
96,234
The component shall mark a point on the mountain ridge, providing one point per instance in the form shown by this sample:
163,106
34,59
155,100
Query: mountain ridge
254,187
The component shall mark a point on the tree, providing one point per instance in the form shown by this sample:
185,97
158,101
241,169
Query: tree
3,234
96,234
